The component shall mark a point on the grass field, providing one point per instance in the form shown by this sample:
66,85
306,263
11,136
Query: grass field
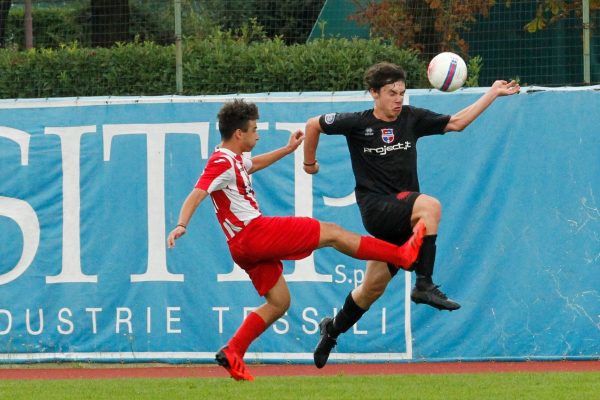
538,386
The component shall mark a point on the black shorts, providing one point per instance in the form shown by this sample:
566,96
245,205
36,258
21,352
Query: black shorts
388,216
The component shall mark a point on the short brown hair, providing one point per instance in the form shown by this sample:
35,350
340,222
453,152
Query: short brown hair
382,74
235,115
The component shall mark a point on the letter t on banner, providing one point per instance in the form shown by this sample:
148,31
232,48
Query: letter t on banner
157,258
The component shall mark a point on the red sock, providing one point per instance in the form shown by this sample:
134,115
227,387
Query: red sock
404,256
250,329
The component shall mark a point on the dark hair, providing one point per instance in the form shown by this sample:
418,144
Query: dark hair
382,74
235,115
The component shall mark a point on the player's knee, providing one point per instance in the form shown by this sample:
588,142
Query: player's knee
286,305
430,208
436,209
281,305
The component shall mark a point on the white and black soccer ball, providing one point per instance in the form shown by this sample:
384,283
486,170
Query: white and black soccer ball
447,72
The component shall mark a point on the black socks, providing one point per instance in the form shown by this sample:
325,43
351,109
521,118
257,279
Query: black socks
424,267
346,317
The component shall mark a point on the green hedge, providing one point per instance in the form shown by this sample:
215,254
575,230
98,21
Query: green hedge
217,65
133,69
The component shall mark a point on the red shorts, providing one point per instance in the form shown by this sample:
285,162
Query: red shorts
259,248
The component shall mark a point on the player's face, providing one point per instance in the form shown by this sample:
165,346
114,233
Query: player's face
250,136
388,100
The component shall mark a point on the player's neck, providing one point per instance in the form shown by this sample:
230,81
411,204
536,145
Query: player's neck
232,146
380,115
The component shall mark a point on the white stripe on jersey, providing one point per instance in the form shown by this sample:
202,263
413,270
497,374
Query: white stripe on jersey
230,228
230,189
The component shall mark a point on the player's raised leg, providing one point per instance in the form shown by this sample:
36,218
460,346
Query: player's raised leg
370,248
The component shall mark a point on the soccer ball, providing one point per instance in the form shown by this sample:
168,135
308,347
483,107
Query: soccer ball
447,72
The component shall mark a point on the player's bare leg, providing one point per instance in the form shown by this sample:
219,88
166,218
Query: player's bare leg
231,356
278,302
429,211
377,277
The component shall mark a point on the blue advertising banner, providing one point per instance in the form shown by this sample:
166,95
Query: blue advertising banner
89,189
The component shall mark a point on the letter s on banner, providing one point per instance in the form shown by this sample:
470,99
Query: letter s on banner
23,214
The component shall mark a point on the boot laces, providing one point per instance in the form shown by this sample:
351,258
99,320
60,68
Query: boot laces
436,291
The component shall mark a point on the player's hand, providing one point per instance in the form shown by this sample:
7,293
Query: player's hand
175,234
504,88
296,138
311,169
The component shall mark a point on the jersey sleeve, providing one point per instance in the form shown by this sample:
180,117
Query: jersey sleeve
217,174
429,122
337,123
247,163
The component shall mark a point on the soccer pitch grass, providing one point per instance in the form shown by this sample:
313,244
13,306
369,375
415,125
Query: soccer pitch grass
538,386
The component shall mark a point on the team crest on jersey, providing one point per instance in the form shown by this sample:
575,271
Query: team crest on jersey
329,118
387,135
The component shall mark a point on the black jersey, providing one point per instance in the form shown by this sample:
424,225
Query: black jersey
384,154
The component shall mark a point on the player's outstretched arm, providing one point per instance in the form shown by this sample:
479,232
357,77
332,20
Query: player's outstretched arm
188,208
464,117
264,160
312,132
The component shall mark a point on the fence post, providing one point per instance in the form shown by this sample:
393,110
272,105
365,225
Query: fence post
28,25
586,42
178,51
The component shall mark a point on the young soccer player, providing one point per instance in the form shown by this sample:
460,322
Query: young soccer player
382,144
258,243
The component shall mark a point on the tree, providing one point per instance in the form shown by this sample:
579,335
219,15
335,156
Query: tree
432,26
4,9
549,12
429,26
110,22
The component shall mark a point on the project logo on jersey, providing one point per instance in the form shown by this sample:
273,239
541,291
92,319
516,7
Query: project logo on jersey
387,135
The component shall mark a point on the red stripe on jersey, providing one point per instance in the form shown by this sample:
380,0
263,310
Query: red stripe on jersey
229,222
244,185
217,165
226,179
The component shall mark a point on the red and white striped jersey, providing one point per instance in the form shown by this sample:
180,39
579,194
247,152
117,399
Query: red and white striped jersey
226,179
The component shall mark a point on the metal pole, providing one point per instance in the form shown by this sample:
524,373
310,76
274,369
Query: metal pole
28,25
586,42
178,51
